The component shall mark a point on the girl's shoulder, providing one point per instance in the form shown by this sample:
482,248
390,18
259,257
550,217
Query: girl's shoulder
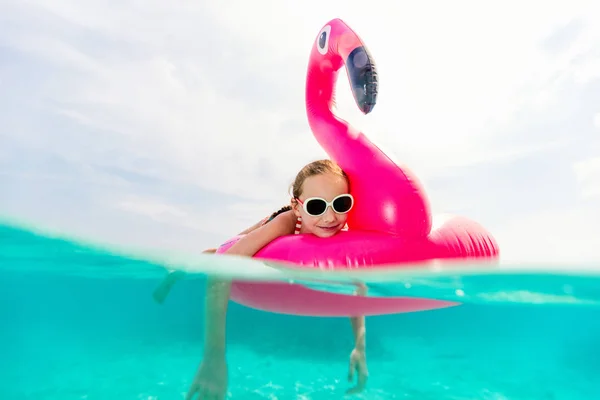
284,218
282,210
282,224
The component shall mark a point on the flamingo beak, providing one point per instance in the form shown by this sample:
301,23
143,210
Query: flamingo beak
363,78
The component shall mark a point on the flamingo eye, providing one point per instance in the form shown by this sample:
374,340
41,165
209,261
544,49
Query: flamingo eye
323,40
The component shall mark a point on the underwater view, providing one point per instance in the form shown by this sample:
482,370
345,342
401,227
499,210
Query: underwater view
406,188
81,323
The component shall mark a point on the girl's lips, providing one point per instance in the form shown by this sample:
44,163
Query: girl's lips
329,228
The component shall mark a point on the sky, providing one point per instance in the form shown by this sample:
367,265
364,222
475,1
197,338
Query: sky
178,124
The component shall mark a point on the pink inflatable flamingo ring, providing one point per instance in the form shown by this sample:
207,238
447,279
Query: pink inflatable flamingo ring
390,223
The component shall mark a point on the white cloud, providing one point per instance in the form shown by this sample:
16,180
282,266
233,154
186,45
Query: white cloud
597,120
154,210
192,115
553,236
588,177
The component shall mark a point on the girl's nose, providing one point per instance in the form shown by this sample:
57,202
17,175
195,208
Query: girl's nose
329,215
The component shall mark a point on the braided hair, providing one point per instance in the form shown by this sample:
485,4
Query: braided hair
276,213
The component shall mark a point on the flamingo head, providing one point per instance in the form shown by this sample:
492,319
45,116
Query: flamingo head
339,44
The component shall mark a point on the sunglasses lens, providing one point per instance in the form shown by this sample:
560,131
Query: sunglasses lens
315,206
342,204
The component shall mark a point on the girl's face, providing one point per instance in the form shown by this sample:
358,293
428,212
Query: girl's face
325,186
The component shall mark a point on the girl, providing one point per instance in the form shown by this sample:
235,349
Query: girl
319,206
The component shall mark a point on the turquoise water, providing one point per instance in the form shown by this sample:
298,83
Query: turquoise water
71,331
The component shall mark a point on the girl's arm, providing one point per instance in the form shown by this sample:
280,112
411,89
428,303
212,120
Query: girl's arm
163,290
256,239
218,290
253,227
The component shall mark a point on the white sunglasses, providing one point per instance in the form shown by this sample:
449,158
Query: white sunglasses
316,206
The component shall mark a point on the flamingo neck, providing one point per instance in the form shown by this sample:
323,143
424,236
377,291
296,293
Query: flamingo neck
320,101
391,199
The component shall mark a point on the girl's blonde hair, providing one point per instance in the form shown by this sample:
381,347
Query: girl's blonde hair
314,168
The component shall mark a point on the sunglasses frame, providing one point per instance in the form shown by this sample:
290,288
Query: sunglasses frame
327,204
